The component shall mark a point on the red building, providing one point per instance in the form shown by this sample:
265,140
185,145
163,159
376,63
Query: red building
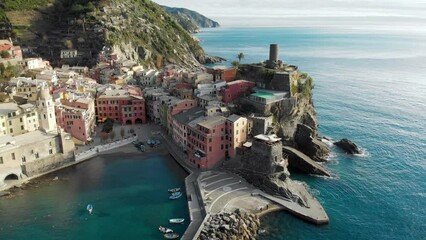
236,89
126,106
223,73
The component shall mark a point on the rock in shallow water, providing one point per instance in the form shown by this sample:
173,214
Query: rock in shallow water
348,146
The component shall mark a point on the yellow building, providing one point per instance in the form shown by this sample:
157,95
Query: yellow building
17,119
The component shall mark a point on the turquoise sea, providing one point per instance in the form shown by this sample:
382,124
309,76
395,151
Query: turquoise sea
371,88
128,193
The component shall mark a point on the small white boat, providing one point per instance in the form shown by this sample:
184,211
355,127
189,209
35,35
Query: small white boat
171,235
165,230
176,220
175,196
89,208
173,190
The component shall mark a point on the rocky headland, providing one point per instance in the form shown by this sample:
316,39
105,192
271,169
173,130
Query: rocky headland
190,20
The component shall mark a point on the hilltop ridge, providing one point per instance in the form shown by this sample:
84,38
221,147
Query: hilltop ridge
192,21
136,30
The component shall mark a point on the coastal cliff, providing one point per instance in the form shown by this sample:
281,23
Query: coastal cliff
190,20
294,118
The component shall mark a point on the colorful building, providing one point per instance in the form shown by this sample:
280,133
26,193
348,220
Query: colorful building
206,141
177,107
236,89
122,106
180,123
183,91
223,73
237,129
153,103
77,117
17,119
15,52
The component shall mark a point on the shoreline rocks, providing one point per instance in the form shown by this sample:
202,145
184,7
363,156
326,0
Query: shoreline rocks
307,142
207,59
237,225
348,146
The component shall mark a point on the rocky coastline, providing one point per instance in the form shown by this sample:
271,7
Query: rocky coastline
231,226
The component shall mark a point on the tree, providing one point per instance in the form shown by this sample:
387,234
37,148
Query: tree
122,132
235,64
4,54
240,56
112,135
104,136
2,68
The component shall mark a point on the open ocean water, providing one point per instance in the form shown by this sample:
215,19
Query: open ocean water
371,88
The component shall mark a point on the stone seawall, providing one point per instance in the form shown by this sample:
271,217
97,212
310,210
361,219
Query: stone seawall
47,164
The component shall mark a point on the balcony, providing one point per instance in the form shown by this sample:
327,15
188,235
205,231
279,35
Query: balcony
199,154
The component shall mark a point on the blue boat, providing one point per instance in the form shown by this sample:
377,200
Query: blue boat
175,196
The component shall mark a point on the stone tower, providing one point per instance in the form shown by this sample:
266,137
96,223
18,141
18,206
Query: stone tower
273,52
265,155
273,61
46,110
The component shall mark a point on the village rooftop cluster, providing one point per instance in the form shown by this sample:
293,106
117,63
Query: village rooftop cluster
46,116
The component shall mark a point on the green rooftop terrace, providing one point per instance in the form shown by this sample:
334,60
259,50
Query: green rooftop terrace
263,95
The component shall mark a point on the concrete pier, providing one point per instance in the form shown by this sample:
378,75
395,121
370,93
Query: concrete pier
212,192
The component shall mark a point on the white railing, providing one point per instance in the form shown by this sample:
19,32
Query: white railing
102,148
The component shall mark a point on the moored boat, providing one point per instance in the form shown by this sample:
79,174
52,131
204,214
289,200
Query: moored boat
171,235
175,196
89,208
176,220
173,190
164,229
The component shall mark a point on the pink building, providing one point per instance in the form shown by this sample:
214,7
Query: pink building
237,131
236,89
206,141
180,124
176,108
77,117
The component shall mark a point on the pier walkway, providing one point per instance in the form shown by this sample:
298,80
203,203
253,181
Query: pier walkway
227,191
305,163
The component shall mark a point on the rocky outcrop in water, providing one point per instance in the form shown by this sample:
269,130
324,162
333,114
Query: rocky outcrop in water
232,226
310,144
348,146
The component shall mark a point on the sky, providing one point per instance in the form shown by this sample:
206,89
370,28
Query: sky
243,13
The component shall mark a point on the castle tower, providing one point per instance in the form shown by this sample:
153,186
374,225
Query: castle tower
273,52
46,110
273,61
